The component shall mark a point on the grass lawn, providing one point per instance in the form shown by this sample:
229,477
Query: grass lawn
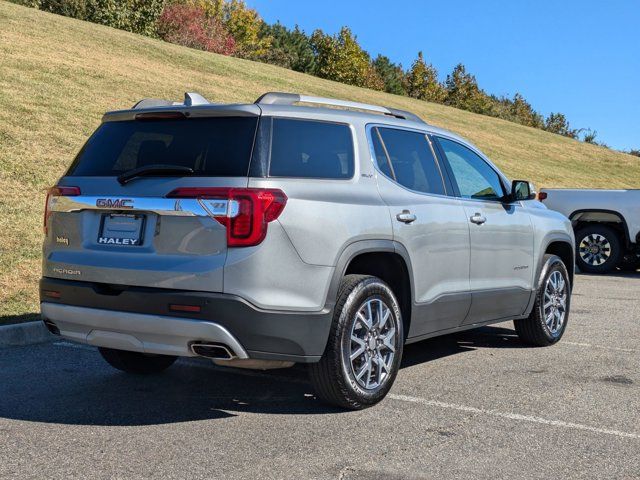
58,75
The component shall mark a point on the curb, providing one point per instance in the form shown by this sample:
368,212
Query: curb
20,334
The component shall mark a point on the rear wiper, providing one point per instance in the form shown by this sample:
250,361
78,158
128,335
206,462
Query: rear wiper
153,170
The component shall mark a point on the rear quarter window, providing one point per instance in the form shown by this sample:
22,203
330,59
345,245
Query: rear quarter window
217,147
311,149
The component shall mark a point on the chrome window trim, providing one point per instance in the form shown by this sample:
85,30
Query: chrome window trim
370,126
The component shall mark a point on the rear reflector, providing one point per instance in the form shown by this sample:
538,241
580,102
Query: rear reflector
542,196
253,209
58,191
51,293
184,308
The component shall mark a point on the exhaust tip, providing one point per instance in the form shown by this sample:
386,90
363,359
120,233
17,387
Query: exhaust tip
52,327
217,351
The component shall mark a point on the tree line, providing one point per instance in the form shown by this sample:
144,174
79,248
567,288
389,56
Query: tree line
230,27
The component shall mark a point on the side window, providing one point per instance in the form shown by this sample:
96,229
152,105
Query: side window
311,149
474,177
407,158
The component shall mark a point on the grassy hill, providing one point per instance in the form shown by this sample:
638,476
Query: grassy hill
58,75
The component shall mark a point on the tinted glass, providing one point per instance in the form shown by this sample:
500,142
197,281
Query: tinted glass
381,157
474,176
412,162
310,149
219,147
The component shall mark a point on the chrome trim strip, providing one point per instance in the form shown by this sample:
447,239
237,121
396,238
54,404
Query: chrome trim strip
182,207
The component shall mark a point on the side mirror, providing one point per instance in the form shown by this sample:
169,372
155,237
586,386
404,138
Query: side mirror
522,190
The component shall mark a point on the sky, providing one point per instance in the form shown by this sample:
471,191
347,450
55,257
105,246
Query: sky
581,58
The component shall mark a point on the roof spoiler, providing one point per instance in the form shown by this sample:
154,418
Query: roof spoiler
282,98
191,99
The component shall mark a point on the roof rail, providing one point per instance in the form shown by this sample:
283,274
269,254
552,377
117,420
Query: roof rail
281,98
190,99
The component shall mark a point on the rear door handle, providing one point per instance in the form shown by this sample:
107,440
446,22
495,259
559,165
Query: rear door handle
478,218
406,217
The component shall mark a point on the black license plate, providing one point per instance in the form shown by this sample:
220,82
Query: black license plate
121,229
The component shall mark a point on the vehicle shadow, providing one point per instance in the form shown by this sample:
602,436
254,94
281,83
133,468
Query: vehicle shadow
24,317
64,383
615,274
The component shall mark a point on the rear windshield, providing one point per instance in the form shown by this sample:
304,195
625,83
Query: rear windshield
217,147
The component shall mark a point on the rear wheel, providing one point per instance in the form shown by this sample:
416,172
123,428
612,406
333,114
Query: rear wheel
598,249
548,319
363,353
135,362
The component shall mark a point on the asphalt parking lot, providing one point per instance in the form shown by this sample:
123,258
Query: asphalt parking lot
472,405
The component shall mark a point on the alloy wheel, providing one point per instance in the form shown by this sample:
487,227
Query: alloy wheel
372,344
555,303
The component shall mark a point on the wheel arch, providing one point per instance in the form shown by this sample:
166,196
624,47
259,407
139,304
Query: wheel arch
565,251
385,259
562,245
597,215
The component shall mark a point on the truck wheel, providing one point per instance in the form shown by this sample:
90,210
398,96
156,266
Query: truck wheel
134,362
598,249
363,353
548,319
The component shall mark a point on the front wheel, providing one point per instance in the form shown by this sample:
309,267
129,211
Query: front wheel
363,353
548,320
134,362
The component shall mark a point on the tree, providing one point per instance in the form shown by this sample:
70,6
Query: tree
188,25
634,151
138,16
391,74
289,48
590,136
244,24
463,92
341,58
422,81
524,114
557,123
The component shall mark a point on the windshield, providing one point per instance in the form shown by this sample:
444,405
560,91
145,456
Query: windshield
217,147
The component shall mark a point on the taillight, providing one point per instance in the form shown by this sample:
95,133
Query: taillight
56,192
248,211
542,196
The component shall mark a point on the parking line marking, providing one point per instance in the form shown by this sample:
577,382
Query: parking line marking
78,346
604,347
407,398
514,416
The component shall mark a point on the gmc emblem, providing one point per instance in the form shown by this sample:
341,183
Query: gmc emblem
118,203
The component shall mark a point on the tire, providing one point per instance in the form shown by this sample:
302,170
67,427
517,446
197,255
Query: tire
629,264
365,381
537,329
607,249
134,362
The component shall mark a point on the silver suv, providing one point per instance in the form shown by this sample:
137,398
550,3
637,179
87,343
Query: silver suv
272,233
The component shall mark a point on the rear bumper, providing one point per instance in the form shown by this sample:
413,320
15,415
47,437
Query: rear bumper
137,332
139,319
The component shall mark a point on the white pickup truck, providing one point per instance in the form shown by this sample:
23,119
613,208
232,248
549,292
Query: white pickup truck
606,225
